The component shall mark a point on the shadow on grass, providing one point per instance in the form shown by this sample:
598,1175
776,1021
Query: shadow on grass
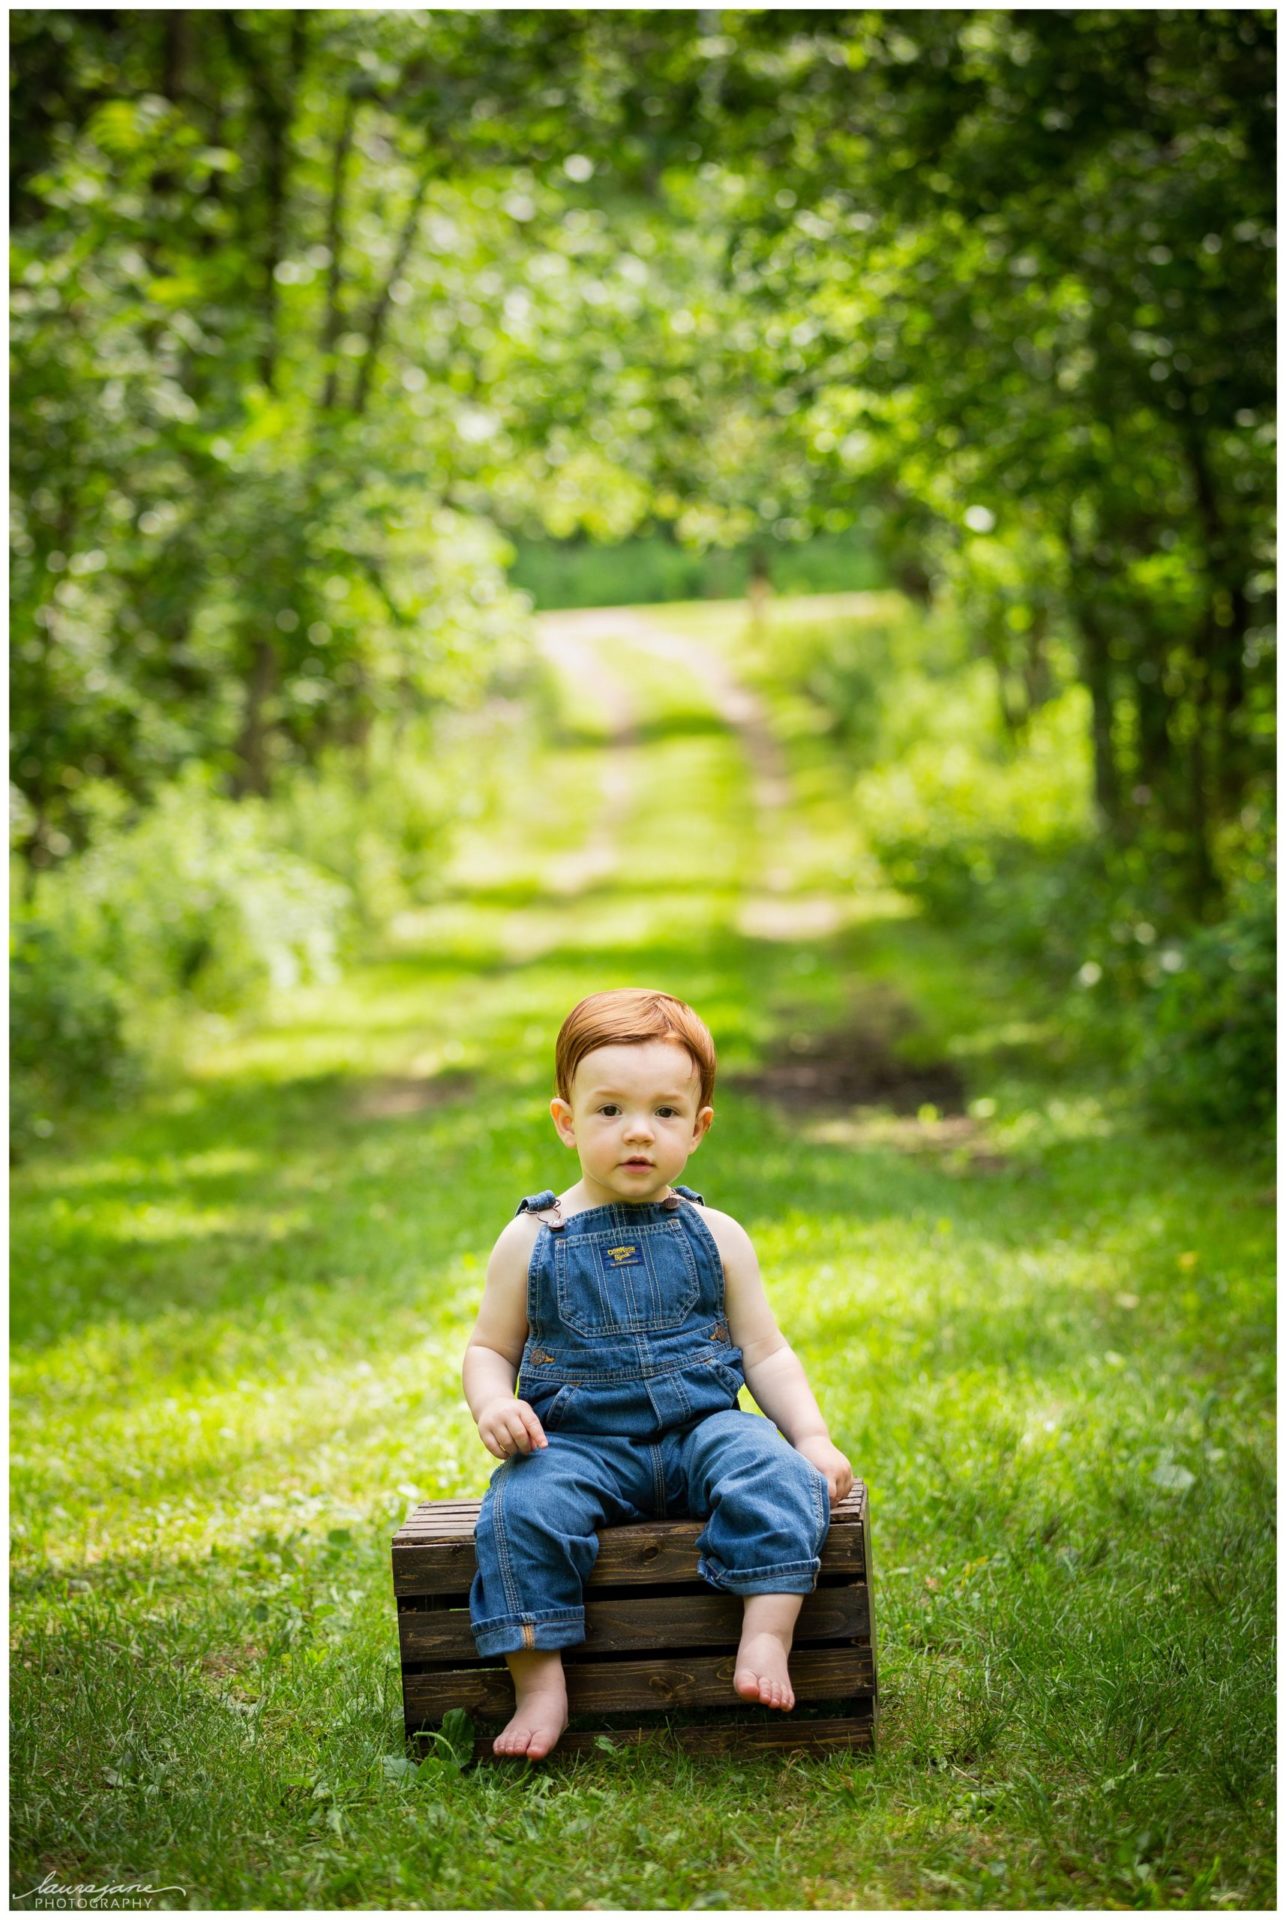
321,1145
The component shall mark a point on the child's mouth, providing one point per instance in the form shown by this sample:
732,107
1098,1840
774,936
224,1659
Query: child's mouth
637,1166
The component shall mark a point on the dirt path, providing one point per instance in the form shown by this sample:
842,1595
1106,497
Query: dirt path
741,712
578,644
574,643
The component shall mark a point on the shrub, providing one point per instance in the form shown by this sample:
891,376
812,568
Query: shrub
190,907
1208,1049
193,899
955,817
66,1030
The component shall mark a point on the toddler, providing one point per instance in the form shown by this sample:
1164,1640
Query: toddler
633,1314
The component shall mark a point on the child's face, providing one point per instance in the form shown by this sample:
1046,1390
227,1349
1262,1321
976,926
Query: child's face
633,1117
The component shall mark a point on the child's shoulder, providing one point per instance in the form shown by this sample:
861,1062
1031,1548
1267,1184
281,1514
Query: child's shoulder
515,1237
729,1233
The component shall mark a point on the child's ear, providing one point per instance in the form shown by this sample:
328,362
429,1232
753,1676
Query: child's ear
561,1114
701,1126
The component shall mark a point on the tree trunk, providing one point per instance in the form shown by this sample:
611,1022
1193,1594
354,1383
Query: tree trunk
1037,679
1013,715
275,116
1230,643
911,579
379,309
174,59
335,247
1097,670
1204,889
1153,708
176,52
253,774
1222,643
758,586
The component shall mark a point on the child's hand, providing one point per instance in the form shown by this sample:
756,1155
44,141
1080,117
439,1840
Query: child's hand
510,1426
828,1459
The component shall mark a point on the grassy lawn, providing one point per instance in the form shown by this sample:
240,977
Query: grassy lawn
1041,1331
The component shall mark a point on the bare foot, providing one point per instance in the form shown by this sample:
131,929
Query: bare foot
767,1629
541,1714
761,1671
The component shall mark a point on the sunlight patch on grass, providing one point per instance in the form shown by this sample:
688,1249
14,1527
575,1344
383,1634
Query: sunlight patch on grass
238,1318
122,1171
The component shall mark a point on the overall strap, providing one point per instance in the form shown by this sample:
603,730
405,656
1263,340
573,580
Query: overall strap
689,1193
537,1203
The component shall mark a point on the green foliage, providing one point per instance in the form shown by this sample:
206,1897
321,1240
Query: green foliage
1028,312
989,829
956,820
281,357
947,799
66,1038
1041,1332
650,569
192,907
383,823
195,899
639,571
1209,1051
226,545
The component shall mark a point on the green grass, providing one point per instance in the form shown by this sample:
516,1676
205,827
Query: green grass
1043,1334
653,568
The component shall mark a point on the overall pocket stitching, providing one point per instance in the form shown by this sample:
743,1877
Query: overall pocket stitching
572,1312
732,1380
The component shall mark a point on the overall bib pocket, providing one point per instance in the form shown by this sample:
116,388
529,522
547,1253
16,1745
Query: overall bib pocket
627,1280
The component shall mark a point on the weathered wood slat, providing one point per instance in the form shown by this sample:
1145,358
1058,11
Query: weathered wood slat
427,1519
460,1525
453,1525
614,1686
705,1619
737,1737
660,1642
446,1566
441,1558
449,1565
866,1562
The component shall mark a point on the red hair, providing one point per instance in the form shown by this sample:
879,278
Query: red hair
630,1016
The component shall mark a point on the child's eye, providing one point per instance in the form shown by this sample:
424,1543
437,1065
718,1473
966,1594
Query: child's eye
607,1109
670,1112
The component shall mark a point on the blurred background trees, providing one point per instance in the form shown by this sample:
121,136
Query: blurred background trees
328,326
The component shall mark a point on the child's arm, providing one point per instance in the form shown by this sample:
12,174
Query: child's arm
491,1358
772,1368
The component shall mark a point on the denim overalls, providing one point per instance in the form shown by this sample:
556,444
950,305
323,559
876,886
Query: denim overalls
630,1368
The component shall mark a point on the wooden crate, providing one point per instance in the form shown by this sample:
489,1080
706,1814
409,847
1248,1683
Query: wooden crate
659,1641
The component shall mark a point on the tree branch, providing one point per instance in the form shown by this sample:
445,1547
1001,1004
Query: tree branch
380,306
334,246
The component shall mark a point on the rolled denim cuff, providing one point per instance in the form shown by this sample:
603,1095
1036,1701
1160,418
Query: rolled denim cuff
527,1632
790,1576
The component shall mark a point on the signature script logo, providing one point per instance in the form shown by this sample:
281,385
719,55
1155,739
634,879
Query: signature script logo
81,1897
